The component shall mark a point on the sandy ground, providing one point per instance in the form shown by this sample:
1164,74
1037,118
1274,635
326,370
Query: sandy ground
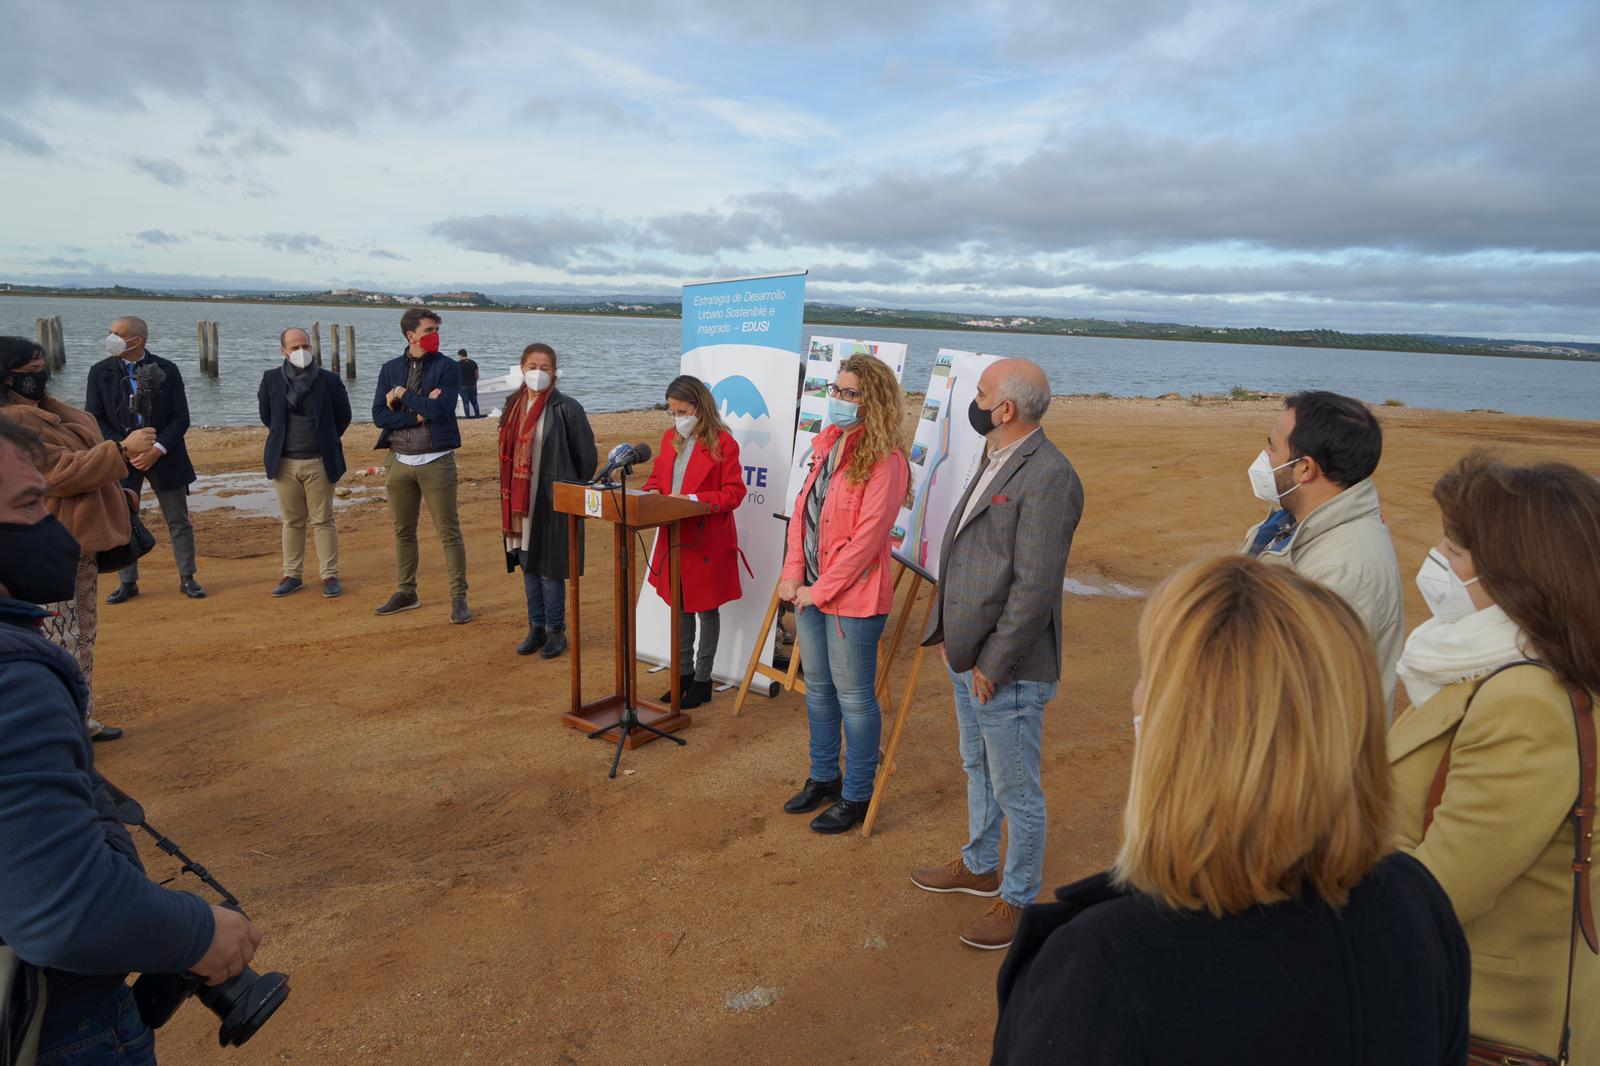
448,875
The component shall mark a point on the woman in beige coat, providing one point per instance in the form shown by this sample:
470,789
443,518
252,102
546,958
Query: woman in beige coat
84,475
1516,580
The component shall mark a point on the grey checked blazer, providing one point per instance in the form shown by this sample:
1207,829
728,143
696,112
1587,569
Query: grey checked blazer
998,603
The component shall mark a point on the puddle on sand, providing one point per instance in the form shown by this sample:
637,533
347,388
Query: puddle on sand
1114,589
252,495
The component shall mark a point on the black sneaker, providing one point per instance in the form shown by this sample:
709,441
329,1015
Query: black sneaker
459,612
400,601
288,585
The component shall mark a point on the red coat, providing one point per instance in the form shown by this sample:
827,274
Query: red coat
709,559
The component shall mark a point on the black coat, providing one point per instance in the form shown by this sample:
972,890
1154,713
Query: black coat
568,455
329,407
1110,978
107,399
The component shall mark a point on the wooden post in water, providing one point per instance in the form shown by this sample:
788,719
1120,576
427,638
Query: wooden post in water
203,341
53,343
350,352
316,343
333,335
216,350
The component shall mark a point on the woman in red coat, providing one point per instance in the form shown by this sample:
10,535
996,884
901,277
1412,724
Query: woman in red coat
699,460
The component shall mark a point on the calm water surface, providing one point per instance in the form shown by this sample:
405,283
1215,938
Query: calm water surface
613,364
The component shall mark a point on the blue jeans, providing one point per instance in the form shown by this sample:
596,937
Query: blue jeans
840,657
112,1035
547,601
1000,742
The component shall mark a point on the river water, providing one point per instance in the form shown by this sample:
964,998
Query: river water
613,364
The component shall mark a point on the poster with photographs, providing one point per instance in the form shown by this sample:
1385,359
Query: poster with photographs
823,356
945,454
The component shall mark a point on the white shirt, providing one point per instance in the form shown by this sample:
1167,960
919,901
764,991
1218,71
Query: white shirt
997,459
421,460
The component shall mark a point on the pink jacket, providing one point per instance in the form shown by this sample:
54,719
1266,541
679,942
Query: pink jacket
853,533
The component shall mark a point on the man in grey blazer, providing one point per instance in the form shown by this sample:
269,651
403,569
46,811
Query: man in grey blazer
997,612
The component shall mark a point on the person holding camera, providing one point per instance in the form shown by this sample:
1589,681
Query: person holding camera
132,389
75,904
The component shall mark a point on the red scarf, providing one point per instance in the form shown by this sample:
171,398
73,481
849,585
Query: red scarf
516,460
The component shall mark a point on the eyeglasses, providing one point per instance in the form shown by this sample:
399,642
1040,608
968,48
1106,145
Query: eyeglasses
852,395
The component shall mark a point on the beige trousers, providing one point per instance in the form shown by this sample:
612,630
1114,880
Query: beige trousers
306,495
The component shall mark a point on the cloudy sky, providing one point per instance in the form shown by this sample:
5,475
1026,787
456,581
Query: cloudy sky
1355,164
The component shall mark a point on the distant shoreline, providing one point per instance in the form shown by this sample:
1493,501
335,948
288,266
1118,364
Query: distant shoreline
882,321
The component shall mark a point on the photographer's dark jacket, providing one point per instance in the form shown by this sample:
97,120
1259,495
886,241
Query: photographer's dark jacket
327,405
438,372
74,897
108,400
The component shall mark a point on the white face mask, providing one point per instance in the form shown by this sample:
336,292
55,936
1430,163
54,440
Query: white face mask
1445,594
685,424
114,345
538,380
300,357
1262,481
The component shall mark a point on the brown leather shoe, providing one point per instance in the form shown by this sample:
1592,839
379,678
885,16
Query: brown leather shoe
954,876
995,929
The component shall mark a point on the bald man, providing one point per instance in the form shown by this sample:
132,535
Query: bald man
997,616
112,389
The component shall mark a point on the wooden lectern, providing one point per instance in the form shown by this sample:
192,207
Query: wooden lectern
645,510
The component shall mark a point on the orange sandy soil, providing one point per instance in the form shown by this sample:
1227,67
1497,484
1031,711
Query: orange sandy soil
448,875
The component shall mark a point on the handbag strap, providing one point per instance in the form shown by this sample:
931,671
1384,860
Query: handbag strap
1582,818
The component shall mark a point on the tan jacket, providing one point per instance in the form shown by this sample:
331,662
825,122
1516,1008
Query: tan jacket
1501,846
83,472
1345,546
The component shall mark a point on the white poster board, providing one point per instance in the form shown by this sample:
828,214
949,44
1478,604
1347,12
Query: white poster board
945,454
823,356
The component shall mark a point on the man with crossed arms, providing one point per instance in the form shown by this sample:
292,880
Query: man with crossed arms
997,613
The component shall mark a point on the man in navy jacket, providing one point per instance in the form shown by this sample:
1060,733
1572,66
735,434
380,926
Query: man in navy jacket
306,411
75,900
414,409
112,384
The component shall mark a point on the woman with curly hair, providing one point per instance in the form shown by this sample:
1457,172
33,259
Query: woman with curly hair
836,573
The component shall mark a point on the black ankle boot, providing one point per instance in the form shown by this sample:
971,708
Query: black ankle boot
813,795
533,641
701,693
555,642
685,682
840,817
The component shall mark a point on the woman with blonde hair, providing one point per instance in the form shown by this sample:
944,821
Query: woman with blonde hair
1490,760
1254,913
836,573
544,438
699,459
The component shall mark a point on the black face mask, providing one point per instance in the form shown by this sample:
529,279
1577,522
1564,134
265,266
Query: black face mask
982,421
39,563
30,384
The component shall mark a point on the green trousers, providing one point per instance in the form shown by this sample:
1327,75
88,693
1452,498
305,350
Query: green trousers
408,487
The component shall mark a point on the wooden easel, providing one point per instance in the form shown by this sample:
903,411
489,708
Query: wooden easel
788,680
919,579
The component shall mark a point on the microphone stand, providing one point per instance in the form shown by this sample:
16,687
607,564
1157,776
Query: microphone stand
628,720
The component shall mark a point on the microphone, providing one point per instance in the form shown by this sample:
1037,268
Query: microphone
624,456
147,380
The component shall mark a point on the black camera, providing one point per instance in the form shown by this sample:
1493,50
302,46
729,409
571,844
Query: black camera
244,1001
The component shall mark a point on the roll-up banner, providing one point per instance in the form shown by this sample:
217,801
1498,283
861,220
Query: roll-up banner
742,338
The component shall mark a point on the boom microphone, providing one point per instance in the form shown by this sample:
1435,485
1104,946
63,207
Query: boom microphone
147,380
624,455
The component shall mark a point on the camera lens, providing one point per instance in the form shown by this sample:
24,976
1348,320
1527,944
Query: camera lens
244,1002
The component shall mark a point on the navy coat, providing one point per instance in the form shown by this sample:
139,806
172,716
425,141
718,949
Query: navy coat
107,399
438,372
329,407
